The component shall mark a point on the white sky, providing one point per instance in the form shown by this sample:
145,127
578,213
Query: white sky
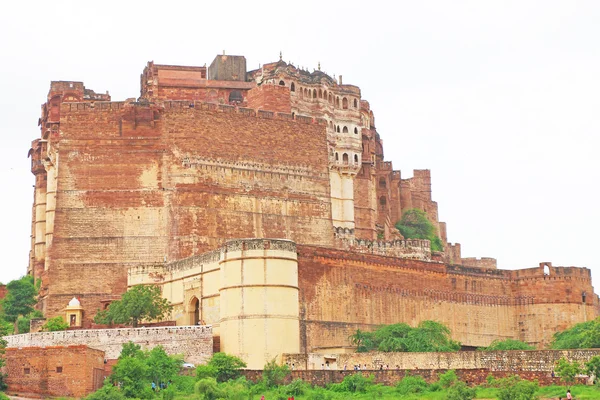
500,99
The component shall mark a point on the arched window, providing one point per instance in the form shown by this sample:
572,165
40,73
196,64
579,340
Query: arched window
325,94
314,93
305,93
281,83
356,159
345,158
337,101
356,131
330,125
382,182
338,129
292,87
382,201
320,94
337,157
345,130
345,103
194,311
330,98
355,103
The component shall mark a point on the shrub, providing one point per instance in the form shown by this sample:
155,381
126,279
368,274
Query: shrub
411,384
227,367
447,379
357,383
55,324
319,394
207,389
106,392
514,388
183,384
274,374
205,371
507,344
297,387
460,391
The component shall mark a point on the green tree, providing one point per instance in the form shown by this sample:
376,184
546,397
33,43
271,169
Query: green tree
515,388
55,324
567,371
447,379
20,299
431,336
363,340
460,391
411,384
132,375
592,367
162,367
137,304
227,367
208,389
274,374
507,344
585,335
205,371
415,225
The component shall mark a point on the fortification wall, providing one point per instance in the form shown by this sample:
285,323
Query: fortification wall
507,361
141,183
194,342
345,291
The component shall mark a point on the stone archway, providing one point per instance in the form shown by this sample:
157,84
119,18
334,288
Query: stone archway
194,311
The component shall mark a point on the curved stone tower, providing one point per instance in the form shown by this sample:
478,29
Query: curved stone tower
259,300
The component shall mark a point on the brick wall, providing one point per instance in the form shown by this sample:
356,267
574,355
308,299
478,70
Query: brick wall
341,292
3,291
194,342
70,371
270,97
140,183
392,376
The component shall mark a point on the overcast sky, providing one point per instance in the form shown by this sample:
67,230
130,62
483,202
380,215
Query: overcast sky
500,99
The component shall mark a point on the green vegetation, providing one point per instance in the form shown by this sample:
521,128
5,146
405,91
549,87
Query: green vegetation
415,225
55,324
507,344
17,306
222,367
137,304
585,335
514,388
427,336
567,370
3,332
137,372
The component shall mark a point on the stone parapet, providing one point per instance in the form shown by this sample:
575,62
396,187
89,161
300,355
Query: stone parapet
194,342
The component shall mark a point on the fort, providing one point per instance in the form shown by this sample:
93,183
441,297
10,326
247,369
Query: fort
260,201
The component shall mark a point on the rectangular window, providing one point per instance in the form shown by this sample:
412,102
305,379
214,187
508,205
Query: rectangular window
26,371
59,370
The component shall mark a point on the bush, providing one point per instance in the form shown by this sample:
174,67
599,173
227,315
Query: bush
107,392
183,384
319,394
460,391
297,387
357,383
207,389
507,344
205,371
5,397
447,379
514,388
411,384
235,390
168,393
274,374
227,367
55,324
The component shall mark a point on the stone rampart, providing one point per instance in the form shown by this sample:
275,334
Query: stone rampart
502,361
194,342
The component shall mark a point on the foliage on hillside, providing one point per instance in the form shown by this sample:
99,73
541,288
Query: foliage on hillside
507,344
427,336
585,335
415,225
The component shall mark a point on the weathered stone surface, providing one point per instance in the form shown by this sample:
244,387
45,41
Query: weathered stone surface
194,342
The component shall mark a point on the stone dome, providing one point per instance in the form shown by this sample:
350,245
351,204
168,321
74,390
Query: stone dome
74,302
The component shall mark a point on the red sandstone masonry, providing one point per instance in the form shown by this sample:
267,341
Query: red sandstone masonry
57,371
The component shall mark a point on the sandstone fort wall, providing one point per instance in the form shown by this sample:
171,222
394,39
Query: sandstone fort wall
194,342
141,184
341,292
